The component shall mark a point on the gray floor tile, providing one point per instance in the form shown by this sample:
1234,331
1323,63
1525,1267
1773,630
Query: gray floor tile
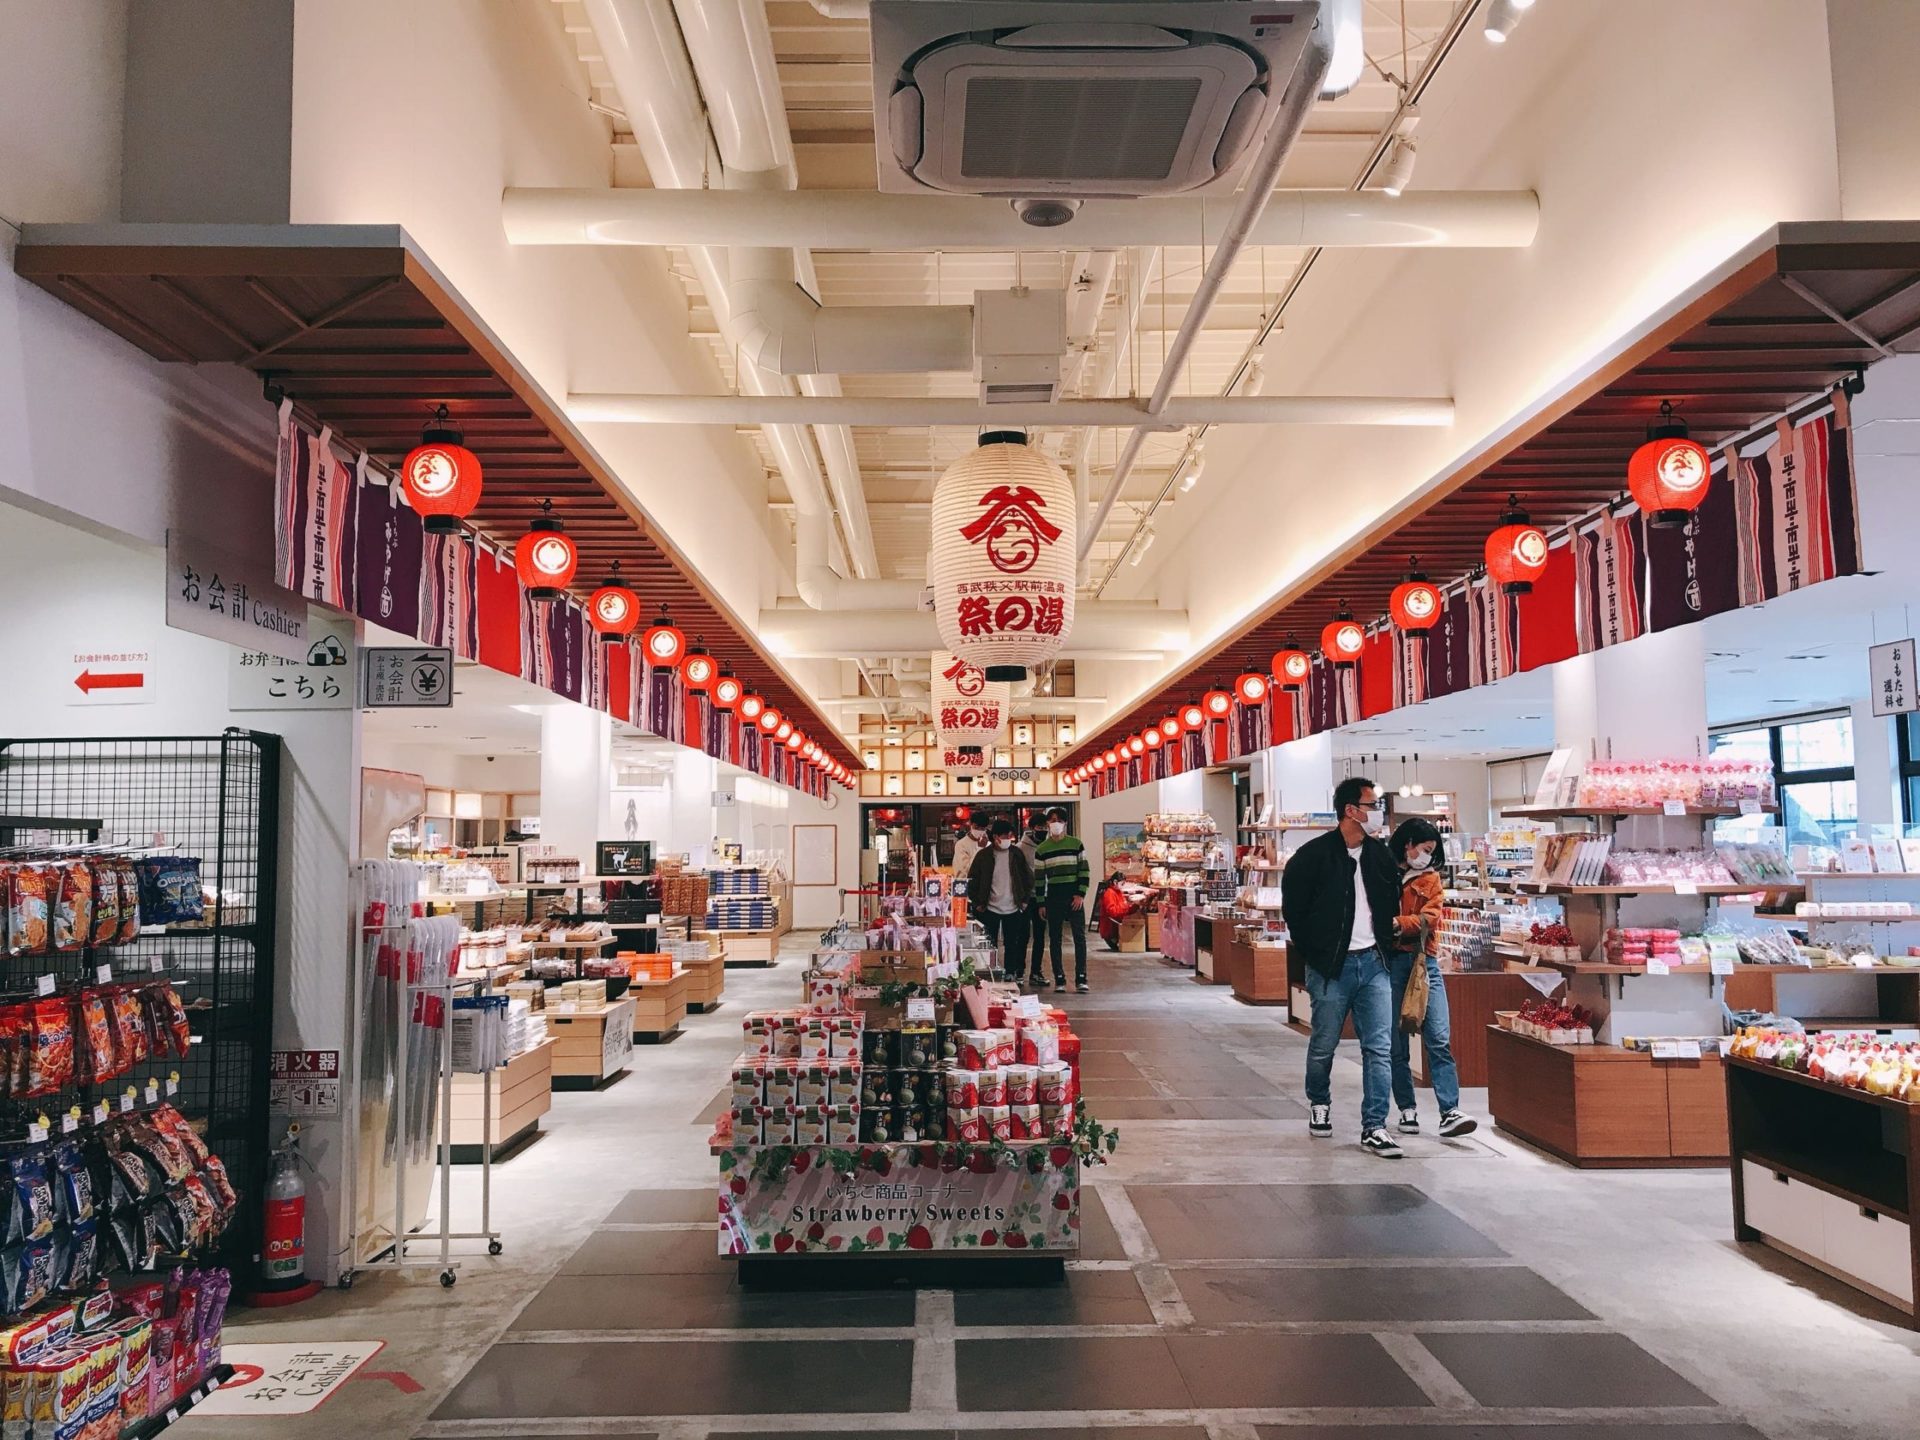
1085,1297
1100,1092
1221,1297
701,1302
1249,1369
693,1377
1375,1432
1256,1222
649,1252
653,1207
721,1102
1065,1373
1560,1370
1098,1239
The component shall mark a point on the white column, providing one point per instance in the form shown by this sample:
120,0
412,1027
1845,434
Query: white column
576,773
1644,700
1876,765
1302,773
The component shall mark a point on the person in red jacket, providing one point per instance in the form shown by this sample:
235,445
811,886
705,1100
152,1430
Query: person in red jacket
1111,907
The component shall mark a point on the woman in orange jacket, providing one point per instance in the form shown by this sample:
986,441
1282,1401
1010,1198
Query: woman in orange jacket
1420,851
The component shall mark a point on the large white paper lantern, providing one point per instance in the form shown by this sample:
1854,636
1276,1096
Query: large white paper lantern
969,710
1003,561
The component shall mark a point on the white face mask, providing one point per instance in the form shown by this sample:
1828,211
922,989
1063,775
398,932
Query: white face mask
1419,859
1003,844
1056,829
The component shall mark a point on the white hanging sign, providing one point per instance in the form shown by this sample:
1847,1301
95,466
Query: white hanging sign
213,592
1891,678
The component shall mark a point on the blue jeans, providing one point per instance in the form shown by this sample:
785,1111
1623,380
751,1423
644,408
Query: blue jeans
1364,990
1436,1038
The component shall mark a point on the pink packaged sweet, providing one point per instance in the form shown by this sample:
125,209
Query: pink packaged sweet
843,1124
974,1049
781,1084
747,1126
966,1125
1056,1121
992,1084
998,1120
843,1083
812,1125
812,1085
1053,1084
1022,1082
772,1033
827,992
1038,1042
1024,1122
812,1044
844,1034
963,1088
749,1081
1001,1047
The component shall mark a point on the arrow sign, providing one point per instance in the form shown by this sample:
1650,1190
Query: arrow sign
125,680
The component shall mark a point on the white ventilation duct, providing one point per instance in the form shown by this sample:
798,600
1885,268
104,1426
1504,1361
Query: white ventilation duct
784,329
1100,632
824,588
913,410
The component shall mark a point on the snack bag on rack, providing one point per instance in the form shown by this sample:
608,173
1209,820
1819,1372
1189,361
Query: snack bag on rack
50,1056
129,879
104,927
70,902
28,902
99,1054
130,1038
170,890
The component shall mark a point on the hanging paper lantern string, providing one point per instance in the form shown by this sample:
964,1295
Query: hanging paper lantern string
1292,666
546,556
441,477
727,690
1170,728
1668,475
1250,687
1516,551
663,643
1415,604
698,669
613,609
751,708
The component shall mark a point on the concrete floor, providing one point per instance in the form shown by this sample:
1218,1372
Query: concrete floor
1648,1253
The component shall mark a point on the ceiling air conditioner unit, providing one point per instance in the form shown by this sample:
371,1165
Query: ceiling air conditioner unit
1077,99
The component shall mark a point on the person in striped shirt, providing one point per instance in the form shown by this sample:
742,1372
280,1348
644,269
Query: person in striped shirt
1061,876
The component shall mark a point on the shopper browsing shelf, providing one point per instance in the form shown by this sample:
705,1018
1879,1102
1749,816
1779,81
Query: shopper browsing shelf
1029,845
973,839
999,891
1420,851
1062,877
1340,894
1111,906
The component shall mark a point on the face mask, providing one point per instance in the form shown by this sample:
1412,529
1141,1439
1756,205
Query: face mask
1003,844
1056,829
1419,859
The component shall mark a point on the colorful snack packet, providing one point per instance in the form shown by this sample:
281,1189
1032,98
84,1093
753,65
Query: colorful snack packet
27,909
71,902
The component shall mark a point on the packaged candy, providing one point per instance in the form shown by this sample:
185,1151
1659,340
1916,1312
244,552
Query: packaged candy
1024,1122
845,1033
1021,1082
1056,1121
71,903
918,1047
748,1084
993,1086
975,1048
910,1124
810,1125
812,1087
170,890
27,909
780,1085
812,1043
876,1124
966,1125
1053,1083
963,1088
998,1121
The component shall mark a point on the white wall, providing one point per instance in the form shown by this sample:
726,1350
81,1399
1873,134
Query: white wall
444,770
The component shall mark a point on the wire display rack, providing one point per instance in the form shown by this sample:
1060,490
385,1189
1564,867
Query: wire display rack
215,798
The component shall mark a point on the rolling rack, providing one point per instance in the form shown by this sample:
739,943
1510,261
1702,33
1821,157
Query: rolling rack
216,798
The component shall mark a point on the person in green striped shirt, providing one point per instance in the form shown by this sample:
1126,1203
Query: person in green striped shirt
1060,878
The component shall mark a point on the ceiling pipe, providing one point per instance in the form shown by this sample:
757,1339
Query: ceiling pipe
869,220
1106,632
824,588
1140,266
1302,91
918,410
787,331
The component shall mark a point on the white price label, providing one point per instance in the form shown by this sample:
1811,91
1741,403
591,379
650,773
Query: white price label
99,1112
1658,967
920,1007
173,1087
36,1131
1686,887
68,1124
173,1416
1689,1049
1726,1044
1864,962
1027,1007
156,964
153,1091
103,974
1666,1049
1721,959
1749,806
126,1103
1673,807
44,985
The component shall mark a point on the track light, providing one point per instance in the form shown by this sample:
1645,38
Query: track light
1502,16
1144,544
1196,467
1398,172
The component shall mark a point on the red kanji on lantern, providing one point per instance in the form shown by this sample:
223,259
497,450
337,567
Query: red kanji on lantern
545,557
663,643
613,610
699,669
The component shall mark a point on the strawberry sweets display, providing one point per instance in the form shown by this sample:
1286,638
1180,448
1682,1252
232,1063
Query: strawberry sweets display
1856,1062
1557,1024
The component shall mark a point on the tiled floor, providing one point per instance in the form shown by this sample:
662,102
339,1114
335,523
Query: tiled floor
1235,1279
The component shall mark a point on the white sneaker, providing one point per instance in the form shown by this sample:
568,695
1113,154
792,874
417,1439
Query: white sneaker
1320,1120
1456,1122
1378,1142
1409,1122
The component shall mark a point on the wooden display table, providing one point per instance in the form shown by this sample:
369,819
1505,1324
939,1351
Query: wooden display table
1599,1106
1216,965
1474,997
659,1005
522,1093
590,1045
1827,1175
706,979
1259,974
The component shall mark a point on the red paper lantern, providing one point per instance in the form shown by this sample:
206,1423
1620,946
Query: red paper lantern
783,729
663,643
613,609
1292,666
1137,745
1192,717
1099,762
751,708
1343,639
545,557
770,720
1668,475
699,669
1250,687
1114,757
1218,703
441,477
1170,728
727,690
1152,737
1516,551
1415,603
796,739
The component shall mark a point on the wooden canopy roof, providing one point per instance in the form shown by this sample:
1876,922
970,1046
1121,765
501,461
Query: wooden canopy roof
1801,309
365,335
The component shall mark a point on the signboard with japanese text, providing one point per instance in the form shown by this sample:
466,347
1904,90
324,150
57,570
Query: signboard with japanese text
286,1379
213,592
406,677
116,671
1891,672
304,1083
322,679
902,1199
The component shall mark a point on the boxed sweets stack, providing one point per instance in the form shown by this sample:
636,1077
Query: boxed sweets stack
904,1095
798,1080
683,894
1636,946
735,881
742,912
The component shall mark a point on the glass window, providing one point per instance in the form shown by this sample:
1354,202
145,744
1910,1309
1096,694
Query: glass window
1817,744
1812,761
1743,744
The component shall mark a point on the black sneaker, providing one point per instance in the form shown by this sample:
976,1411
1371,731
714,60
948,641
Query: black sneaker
1409,1122
1378,1142
1082,987
1320,1120
1456,1122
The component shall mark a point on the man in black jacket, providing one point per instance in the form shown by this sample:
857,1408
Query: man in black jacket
999,894
1339,893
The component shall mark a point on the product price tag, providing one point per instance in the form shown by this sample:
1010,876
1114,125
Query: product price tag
126,1102
173,1416
1027,1007
1658,967
68,1123
99,1112
1688,1049
153,1091
103,974
44,985
1673,807
1726,1044
1666,1049
156,963
1722,956
1864,962
1686,887
173,1085
920,1007
36,1131
1749,806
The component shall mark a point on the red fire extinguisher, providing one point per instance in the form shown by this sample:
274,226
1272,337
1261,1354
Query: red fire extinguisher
283,1252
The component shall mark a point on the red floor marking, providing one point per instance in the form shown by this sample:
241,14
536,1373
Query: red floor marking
243,1375
402,1381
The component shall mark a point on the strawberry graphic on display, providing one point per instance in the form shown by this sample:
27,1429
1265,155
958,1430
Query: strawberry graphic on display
782,1243
928,1158
1063,1202
801,1161
1016,1240
980,1163
876,1236
834,1242
882,1165
919,1238
950,1163
1060,1155
738,1185
989,1237
816,1231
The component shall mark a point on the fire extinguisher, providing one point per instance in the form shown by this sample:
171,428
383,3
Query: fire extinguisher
283,1253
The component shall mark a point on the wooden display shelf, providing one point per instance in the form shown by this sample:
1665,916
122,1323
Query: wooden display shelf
752,947
1598,1106
522,1093
1259,974
1827,1175
658,1005
591,1045
1531,887
1474,997
1809,875
706,980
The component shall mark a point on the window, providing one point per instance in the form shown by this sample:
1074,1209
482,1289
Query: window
1909,732
1818,801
